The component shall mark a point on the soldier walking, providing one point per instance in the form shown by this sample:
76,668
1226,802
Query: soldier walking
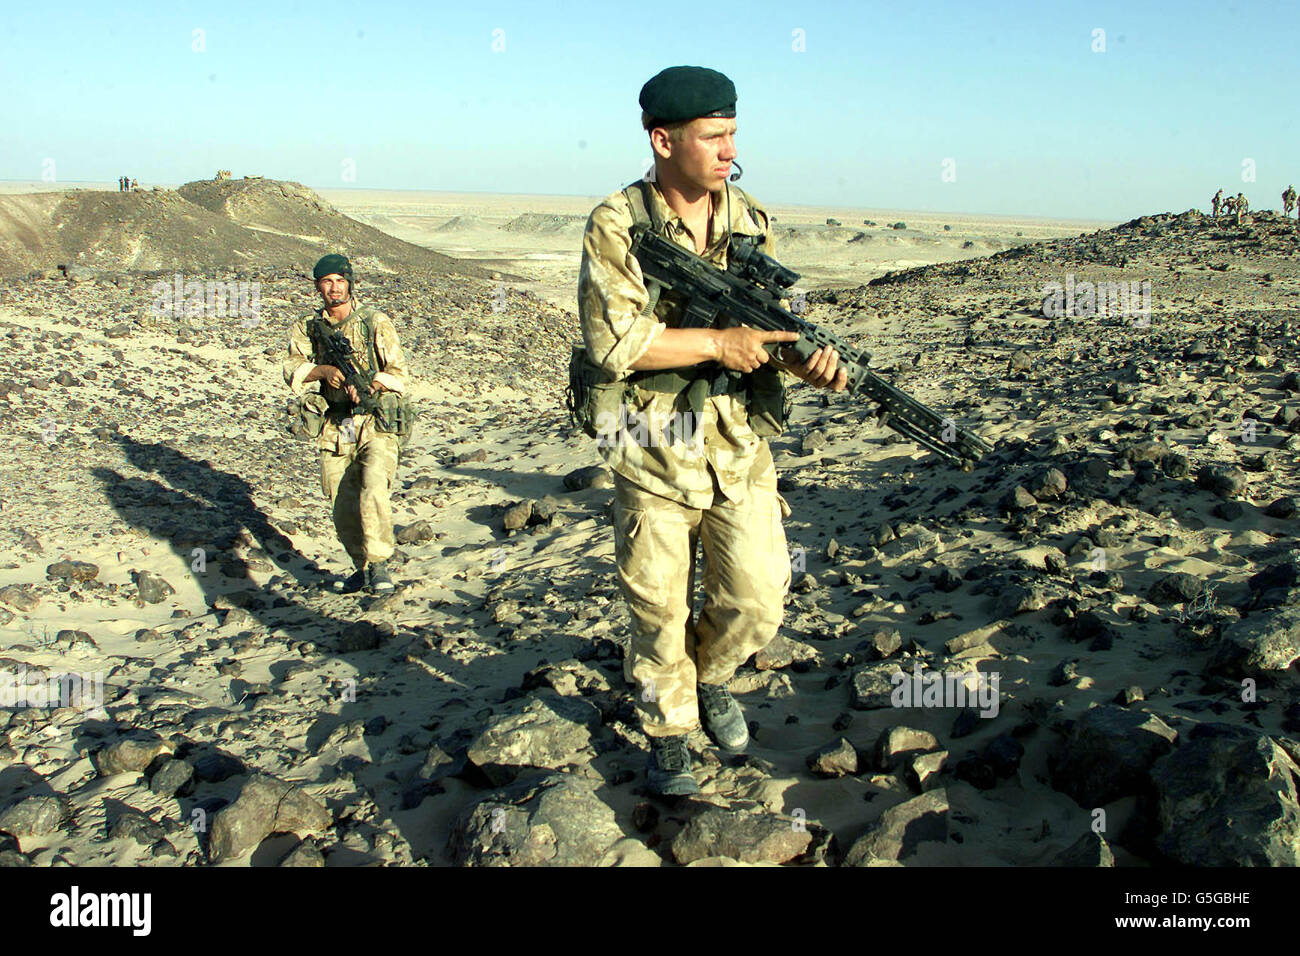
1239,206
1216,202
1288,200
719,490
357,460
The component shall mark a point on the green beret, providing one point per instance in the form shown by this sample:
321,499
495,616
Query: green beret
688,92
331,264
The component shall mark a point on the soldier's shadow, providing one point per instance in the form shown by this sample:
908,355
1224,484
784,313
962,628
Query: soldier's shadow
193,505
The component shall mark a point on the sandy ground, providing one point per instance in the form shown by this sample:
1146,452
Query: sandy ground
161,441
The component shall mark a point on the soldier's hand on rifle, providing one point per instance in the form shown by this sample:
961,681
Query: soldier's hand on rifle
331,375
740,348
821,369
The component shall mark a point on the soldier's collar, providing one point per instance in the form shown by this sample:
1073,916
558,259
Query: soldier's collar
323,313
730,214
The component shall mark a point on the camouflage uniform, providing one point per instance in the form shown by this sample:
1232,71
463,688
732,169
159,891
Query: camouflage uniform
718,491
1288,200
1216,202
1239,206
357,462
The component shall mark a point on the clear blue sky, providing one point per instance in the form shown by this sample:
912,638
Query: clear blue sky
416,97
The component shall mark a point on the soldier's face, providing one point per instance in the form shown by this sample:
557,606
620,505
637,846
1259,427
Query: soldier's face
333,288
703,155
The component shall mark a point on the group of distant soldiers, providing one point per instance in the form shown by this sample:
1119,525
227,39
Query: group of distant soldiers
1239,205
125,184
222,174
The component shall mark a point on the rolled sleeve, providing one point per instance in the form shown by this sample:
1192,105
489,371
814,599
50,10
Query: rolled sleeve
612,294
298,363
393,373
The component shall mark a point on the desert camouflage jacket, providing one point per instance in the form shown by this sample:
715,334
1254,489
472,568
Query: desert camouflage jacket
301,359
611,297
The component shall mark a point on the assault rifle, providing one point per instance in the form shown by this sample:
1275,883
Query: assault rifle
749,292
336,350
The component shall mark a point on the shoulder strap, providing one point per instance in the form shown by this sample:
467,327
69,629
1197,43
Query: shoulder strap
643,208
368,333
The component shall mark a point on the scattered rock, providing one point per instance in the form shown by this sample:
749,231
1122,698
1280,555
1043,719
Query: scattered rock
901,829
1227,797
747,836
152,588
547,732
1109,753
549,820
834,760
130,756
264,806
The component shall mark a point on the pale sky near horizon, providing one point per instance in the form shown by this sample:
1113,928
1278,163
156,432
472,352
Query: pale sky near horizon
1008,108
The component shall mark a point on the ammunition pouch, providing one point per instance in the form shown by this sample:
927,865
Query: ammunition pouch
307,416
762,391
392,414
592,398
767,403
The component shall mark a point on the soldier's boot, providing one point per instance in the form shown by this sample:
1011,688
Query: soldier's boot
722,717
668,769
352,583
380,580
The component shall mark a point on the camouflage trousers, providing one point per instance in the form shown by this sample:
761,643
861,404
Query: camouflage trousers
358,483
746,575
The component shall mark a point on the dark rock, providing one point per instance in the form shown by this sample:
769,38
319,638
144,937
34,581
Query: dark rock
215,766
1227,482
966,723
885,642
1227,797
152,588
901,828
170,777
1175,588
73,570
34,816
138,827
19,596
874,684
1091,849
1129,696
1108,754
1003,753
1261,645
1050,485
747,836
517,515
1017,499
549,820
364,635
812,442
305,854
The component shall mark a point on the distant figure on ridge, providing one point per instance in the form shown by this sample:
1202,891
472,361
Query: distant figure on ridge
1240,205
1288,200
1216,202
